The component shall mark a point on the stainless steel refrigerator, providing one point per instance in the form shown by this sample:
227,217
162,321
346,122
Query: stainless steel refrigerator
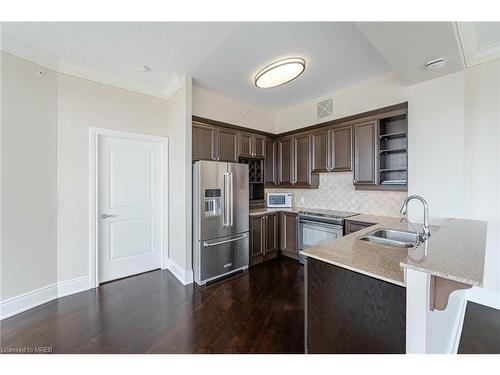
220,219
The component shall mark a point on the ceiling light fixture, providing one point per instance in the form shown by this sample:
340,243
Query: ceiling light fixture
144,68
280,72
435,64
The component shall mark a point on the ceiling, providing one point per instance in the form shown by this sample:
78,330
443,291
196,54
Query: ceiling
408,46
224,57
111,51
337,55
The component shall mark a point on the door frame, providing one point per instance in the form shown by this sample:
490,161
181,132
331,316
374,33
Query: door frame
94,134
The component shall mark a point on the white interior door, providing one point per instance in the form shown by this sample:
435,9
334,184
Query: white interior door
129,206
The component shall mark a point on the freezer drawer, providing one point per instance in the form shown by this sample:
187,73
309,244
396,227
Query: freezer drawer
221,256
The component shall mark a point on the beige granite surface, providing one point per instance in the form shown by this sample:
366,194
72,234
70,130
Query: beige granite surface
265,210
454,251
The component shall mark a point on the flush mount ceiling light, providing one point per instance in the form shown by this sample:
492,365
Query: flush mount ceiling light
280,72
435,64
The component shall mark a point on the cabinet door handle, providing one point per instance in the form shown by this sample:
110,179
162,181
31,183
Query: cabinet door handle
264,236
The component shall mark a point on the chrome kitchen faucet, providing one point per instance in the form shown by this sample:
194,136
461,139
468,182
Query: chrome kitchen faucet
404,209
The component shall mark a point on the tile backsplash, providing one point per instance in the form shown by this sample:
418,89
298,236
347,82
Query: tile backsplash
336,192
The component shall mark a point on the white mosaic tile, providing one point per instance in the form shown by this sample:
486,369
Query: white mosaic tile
336,192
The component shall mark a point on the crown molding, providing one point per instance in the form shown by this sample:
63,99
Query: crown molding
25,52
472,52
173,85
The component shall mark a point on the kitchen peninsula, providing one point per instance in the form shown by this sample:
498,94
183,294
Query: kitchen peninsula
358,293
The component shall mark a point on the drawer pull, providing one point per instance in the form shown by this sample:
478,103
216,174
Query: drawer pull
207,244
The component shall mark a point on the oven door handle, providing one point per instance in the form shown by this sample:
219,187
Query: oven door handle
320,224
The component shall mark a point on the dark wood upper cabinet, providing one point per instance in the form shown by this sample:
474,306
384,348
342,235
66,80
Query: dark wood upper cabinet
285,161
341,149
320,151
365,153
227,141
203,142
252,145
259,146
373,145
245,144
288,237
270,175
302,159
294,162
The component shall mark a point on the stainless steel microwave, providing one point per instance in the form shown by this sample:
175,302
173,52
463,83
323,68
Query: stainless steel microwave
279,199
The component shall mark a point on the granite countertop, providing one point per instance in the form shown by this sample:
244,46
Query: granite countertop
454,251
265,210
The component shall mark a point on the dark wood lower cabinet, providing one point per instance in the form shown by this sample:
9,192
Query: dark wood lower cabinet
351,226
347,312
256,239
271,237
263,238
289,230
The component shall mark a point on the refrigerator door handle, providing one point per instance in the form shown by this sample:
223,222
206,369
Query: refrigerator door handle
208,244
226,200
231,190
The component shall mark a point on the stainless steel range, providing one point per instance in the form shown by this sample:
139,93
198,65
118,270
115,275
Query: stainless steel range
317,226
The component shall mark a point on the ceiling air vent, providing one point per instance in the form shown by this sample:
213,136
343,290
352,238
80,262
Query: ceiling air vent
325,108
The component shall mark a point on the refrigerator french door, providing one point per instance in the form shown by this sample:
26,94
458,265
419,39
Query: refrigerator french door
220,219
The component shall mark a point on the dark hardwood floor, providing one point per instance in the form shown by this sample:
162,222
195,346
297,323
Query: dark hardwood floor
260,311
481,330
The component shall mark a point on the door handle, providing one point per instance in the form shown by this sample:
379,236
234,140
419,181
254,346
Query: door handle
231,211
226,200
206,244
105,216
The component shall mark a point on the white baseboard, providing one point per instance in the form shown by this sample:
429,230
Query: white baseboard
18,304
80,284
26,301
184,276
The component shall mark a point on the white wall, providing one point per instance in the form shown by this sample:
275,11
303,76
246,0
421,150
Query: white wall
214,106
179,120
482,158
29,160
83,104
371,94
45,172
436,147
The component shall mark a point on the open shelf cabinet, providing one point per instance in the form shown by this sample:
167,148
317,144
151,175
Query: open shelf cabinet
393,151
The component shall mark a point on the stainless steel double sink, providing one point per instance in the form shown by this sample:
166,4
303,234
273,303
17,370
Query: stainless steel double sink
394,238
